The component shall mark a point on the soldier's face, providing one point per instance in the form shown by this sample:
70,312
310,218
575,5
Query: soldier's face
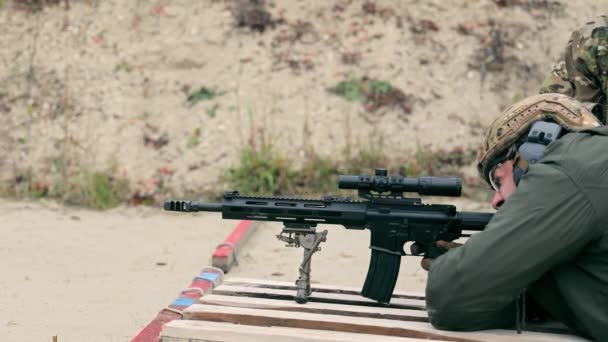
502,179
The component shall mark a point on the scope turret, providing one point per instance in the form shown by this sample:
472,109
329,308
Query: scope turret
381,182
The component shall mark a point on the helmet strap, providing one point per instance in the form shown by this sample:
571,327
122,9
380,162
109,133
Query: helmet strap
520,167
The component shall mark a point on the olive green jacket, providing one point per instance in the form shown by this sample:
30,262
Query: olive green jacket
550,237
582,69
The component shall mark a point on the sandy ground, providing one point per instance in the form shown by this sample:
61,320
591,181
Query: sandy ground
90,276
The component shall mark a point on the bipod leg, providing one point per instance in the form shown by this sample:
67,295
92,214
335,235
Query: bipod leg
303,235
310,242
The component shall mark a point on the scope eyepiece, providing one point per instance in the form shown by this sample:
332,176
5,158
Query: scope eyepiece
427,185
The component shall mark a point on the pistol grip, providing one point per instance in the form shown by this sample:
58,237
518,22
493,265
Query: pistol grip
381,275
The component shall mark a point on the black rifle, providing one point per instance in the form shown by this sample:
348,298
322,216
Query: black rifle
392,219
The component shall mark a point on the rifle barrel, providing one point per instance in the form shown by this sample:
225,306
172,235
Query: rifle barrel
208,206
470,220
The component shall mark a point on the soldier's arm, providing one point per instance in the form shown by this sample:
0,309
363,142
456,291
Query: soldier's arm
558,80
545,222
578,72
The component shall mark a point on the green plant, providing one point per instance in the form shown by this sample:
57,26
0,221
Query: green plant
143,116
211,112
437,163
365,161
372,93
409,169
351,89
380,87
517,97
99,190
444,162
318,175
203,94
261,171
367,157
195,138
102,192
362,89
123,66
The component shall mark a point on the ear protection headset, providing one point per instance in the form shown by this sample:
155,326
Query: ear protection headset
541,134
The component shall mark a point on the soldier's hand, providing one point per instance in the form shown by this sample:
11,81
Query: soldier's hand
442,247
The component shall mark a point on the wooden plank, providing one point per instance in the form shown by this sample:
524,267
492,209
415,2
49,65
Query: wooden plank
547,327
319,308
359,325
198,331
349,310
305,320
402,303
288,285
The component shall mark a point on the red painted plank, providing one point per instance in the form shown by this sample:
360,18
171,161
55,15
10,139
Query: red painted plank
224,255
206,280
151,332
233,239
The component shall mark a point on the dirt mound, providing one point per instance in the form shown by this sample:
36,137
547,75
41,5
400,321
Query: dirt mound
161,98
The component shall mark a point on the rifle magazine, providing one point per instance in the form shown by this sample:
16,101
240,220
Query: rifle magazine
381,276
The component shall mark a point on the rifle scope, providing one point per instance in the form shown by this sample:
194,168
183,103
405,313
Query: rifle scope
428,185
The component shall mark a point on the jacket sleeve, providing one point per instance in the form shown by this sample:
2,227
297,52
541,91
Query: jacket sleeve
545,222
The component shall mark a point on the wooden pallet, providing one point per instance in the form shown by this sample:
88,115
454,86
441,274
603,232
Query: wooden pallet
254,310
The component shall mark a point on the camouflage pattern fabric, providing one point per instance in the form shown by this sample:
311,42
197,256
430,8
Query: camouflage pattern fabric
582,70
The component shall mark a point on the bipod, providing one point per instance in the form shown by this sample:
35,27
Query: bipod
303,235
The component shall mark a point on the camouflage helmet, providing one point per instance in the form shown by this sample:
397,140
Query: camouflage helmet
515,121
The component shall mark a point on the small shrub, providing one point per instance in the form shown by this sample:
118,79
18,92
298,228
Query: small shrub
203,94
350,89
194,139
212,112
372,93
366,160
97,190
444,163
123,66
102,191
318,175
262,171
